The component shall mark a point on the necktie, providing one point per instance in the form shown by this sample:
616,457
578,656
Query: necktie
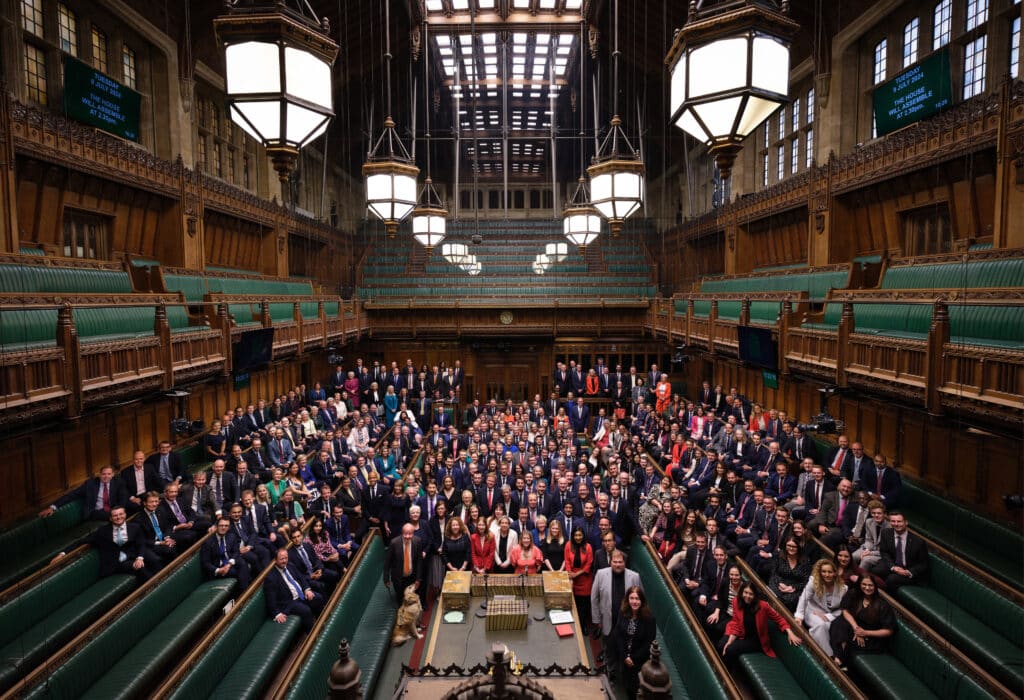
119,538
817,496
223,551
305,559
165,470
842,508
430,508
899,551
106,495
196,493
718,582
697,566
839,459
238,529
799,449
293,585
615,505
177,512
407,560
217,492
252,518
879,489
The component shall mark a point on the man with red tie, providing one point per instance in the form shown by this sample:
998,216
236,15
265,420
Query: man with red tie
99,495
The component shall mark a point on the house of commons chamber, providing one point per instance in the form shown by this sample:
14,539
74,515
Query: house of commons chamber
452,349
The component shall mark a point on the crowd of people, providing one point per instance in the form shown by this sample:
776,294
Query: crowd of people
564,484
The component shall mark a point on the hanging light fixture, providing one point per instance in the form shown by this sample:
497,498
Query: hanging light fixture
556,252
580,221
730,71
541,264
616,178
429,216
389,171
277,62
455,253
475,269
470,264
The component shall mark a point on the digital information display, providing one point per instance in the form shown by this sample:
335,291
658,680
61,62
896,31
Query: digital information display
96,99
917,93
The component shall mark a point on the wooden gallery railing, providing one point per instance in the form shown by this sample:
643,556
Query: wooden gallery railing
928,369
44,378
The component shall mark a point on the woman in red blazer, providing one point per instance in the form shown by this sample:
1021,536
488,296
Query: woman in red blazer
579,559
747,631
481,547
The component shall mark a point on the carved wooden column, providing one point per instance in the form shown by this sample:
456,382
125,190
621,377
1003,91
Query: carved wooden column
745,312
938,336
843,342
1009,191
733,249
786,311
67,338
297,317
712,324
163,331
9,238
689,321
225,326
819,205
193,231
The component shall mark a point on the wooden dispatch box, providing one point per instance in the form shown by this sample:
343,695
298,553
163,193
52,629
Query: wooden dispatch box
557,590
506,612
455,591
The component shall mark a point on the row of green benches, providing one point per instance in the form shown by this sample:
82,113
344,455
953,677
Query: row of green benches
911,667
135,643
29,545
640,292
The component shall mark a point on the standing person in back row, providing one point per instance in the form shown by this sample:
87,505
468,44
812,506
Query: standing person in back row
606,596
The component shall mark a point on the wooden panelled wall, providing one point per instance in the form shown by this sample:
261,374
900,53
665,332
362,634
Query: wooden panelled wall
870,219
47,460
232,242
778,240
138,220
973,467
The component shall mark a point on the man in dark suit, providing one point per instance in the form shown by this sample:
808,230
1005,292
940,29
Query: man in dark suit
577,382
455,377
374,505
157,528
139,479
800,447
121,548
579,415
186,527
403,563
256,520
99,495
288,592
839,460
258,460
834,504
441,417
337,379
882,482
305,559
220,557
199,497
255,556
904,555
690,569
223,486
715,584
561,380
167,464
339,533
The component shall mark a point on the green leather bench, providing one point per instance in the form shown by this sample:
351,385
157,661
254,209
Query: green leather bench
980,622
53,279
32,544
912,668
127,656
47,616
28,329
989,545
956,275
794,673
364,615
729,310
679,645
816,284
765,313
115,322
245,657
990,326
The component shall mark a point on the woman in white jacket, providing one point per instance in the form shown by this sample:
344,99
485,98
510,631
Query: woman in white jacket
819,603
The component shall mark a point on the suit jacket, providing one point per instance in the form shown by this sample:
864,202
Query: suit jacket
601,597
281,452
375,506
915,552
808,493
89,492
149,476
845,466
706,565
892,484
206,505
276,591
209,553
349,502
828,514
108,550
338,532
807,448
174,464
229,493
394,560
579,417
314,561
166,524
165,514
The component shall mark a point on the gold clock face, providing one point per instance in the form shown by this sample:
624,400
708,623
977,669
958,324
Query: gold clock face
505,317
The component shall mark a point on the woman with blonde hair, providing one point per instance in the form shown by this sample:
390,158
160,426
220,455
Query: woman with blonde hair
820,602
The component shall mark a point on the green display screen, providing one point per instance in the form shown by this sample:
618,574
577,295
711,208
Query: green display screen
917,93
770,379
96,99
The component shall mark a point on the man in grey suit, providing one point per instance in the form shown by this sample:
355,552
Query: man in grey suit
606,596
